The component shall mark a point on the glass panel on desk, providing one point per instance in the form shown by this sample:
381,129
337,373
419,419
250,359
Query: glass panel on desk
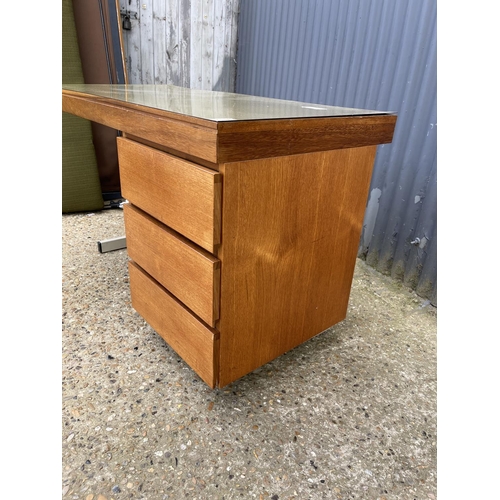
215,106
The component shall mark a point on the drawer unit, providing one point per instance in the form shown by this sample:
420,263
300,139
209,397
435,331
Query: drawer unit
190,338
179,193
188,272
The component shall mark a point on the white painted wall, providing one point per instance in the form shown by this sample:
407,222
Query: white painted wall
181,42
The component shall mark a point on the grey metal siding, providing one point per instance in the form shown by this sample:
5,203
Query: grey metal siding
181,42
365,54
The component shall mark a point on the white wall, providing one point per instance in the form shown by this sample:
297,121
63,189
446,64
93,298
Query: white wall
181,42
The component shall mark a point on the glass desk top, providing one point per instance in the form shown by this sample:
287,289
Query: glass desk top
215,106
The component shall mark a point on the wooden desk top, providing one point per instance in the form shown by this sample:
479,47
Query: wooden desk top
220,127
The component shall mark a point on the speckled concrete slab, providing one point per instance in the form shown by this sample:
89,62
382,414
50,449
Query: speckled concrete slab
349,414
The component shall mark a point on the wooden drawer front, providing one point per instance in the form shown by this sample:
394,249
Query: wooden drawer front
191,339
185,270
181,194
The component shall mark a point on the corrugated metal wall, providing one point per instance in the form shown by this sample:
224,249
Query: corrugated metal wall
364,54
181,42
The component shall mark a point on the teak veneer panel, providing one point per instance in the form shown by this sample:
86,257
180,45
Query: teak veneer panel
228,141
181,194
186,271
291,229
238,141
180,134
173,152
191,339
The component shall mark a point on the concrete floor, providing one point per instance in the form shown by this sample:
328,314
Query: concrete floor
349,414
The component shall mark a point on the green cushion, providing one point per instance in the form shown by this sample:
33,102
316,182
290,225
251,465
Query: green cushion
81,186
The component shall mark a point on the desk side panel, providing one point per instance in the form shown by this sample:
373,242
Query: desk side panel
291,227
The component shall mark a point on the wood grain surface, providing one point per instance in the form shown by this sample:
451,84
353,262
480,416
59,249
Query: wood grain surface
230,141
242,140
150,124
185,270
192,340
291,228
174,152
181,194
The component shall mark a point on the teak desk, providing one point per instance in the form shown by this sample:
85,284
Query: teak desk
244,215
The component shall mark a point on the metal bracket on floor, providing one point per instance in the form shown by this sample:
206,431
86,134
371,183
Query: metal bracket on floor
112,244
